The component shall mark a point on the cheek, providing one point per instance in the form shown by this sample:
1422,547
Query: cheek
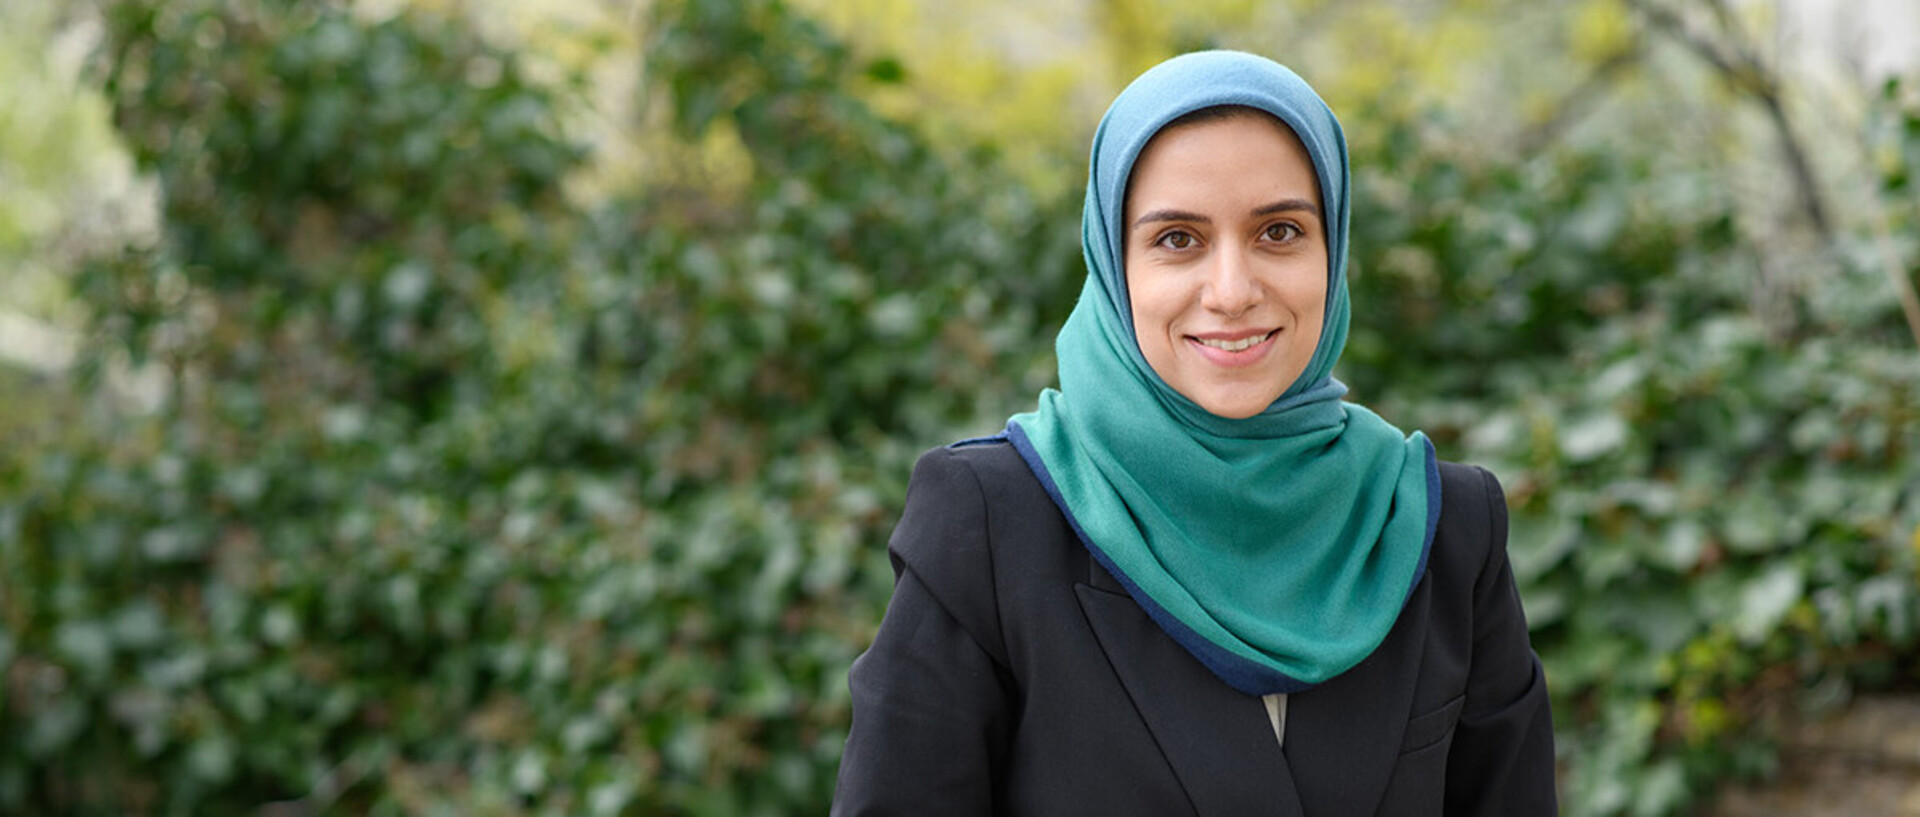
1147,300
1154,312
1307,292
1313,304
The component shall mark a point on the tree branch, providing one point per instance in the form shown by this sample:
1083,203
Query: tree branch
1897,272
1740,67
1578,101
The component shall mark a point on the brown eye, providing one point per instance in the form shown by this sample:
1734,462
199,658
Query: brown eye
1283,232
1176,240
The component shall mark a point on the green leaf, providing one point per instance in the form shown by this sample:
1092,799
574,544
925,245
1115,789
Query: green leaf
1765,600
1593,436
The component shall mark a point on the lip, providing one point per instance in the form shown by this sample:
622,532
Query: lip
1233,360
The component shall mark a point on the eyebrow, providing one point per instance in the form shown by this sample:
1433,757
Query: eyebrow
1288,206
1281,206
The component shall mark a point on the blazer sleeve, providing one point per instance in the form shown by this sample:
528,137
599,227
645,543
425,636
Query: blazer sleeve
931,696
1501,762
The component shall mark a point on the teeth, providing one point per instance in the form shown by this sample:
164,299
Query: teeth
1240,345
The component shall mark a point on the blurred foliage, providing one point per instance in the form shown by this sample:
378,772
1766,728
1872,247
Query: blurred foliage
57,160
462,497
448,492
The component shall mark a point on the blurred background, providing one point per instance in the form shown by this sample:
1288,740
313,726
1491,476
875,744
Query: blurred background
478,407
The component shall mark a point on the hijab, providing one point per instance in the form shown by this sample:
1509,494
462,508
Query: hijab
1278,549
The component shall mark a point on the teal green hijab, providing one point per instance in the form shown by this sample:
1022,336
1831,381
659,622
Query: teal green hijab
1278,549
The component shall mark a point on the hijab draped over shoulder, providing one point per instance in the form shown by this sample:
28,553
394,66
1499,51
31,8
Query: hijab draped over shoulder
1278,549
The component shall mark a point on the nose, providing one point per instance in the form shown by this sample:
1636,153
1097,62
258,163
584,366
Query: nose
1231,287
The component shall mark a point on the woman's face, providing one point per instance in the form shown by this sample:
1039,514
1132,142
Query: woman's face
1226,260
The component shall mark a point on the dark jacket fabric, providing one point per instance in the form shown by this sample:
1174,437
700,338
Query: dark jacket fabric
1013,675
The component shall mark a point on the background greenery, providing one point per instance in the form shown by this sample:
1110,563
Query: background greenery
505,413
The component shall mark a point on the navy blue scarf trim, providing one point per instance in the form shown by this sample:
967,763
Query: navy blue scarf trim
1433,521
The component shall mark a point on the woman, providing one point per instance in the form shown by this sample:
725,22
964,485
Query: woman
1195,581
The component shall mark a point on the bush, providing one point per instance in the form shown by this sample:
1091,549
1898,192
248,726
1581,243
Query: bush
463,496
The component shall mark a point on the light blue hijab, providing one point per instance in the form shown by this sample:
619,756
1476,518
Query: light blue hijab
1278,549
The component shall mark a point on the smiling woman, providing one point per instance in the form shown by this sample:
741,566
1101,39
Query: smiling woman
1194,580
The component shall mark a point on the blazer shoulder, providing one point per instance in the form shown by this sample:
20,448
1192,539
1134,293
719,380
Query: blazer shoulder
982,475
1470,489
945,533
1472,534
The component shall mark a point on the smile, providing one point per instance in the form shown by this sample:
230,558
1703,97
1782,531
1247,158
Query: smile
1240,345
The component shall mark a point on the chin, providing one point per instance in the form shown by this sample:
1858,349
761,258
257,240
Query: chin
1235,409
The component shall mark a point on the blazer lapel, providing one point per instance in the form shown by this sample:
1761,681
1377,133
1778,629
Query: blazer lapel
1343,736
1218,740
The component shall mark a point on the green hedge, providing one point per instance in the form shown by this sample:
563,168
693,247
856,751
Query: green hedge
459,495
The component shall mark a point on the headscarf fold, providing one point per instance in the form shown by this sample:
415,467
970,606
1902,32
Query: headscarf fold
1278,549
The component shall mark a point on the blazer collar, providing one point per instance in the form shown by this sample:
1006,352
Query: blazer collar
1343,736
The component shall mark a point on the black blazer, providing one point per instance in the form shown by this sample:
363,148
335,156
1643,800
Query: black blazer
1013,675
